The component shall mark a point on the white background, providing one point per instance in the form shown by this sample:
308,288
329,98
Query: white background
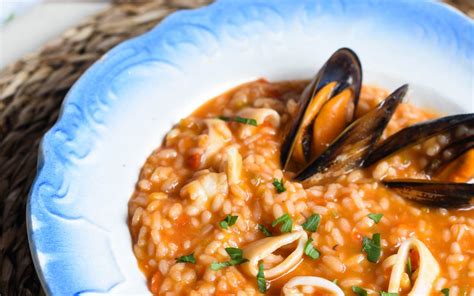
35,22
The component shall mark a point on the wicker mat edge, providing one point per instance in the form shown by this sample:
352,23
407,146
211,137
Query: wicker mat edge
31,92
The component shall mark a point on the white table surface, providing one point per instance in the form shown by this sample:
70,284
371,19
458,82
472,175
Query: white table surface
27,32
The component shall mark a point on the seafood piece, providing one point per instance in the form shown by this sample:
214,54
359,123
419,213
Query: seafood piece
327,106
234,165
324,140
203,189
461,125
449,154
258,250
459,170
432,193
426,273
261,115
290,288
218,135
458,132
350,149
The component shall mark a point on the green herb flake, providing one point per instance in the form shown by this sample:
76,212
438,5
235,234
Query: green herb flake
312,223
286,223
225,118
186,259
219,265
309,250
359,291
234,253
261,283
388,294
335,282
232,262
445,291
236,258
375,217
409,267
228,221
264,230
279,185
372,247
249,121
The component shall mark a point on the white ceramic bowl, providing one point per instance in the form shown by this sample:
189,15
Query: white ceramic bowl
118,112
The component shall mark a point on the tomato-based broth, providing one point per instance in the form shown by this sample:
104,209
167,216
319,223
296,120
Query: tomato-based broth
214,212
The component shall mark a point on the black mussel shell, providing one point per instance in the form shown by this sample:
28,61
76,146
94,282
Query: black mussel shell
450,153
417,133
344,68
350,149
432,193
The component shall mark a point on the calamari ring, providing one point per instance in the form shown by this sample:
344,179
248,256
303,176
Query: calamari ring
428,269
258,250
314,281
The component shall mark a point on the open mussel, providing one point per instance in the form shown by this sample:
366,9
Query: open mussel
327,107
325,140
456,128
350,149
455,154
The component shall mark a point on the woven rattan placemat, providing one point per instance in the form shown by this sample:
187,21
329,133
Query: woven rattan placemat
31,92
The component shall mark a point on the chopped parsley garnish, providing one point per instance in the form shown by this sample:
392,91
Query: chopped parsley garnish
236,258
372,247
335,282
359,291
225,118
219,265
264,230
409,267
445,291
309,250
388,294
234,253
186,259
375,217
279,185
228,221
285,221
249,121
312,223
261,283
